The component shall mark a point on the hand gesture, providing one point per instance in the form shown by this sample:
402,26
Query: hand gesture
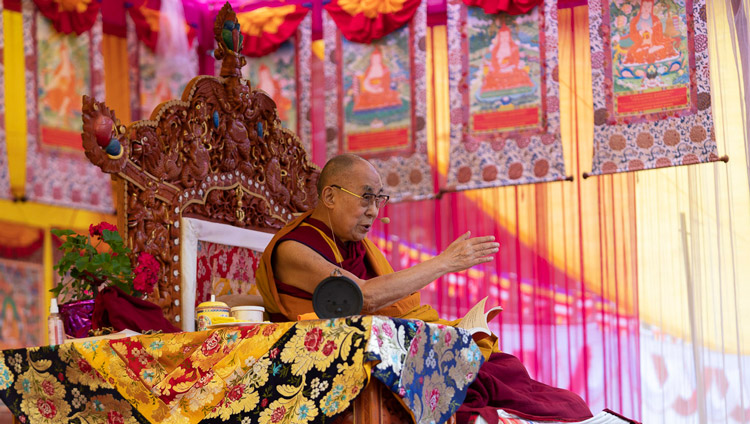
465,252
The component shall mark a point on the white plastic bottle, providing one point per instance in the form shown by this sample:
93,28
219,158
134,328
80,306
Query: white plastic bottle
55,325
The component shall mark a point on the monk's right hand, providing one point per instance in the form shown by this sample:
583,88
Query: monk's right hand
465,252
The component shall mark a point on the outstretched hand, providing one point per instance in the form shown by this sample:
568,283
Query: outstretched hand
465,252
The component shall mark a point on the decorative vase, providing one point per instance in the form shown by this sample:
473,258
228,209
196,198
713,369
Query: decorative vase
76,317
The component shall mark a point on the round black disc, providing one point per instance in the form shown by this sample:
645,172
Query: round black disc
337,297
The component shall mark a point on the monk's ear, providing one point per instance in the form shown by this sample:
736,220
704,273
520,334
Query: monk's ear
327,197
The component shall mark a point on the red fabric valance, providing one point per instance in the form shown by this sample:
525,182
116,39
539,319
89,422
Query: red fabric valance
265,28
511,7
366,26
70,16
145,15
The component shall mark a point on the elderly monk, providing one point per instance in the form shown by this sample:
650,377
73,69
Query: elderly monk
334,236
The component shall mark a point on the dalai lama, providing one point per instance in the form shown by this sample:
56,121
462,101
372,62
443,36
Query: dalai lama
334,235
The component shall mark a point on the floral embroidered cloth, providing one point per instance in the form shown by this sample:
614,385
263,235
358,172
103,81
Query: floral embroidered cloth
301,372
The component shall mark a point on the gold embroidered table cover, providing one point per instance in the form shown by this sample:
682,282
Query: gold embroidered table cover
303,372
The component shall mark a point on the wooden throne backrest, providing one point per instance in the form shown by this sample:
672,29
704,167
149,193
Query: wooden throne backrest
218,154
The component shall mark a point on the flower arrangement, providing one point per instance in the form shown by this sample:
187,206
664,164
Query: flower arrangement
83,268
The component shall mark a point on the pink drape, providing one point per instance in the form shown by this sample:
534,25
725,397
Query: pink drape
566,271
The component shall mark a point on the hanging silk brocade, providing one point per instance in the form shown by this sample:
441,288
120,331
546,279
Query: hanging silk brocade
504,94
284,74
651,82
60,69
153,79
376,99
4,174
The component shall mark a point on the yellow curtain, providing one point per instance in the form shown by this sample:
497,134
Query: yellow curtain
15,100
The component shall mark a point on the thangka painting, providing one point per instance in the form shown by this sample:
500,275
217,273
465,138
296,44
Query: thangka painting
285,76
276,75
4,175
156,86
64,75
375,106
225,270
59,70
22,312
651,81
504,98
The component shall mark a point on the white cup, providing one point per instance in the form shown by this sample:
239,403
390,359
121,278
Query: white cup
248,313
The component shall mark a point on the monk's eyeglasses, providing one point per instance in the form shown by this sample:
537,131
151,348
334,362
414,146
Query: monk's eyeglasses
378,199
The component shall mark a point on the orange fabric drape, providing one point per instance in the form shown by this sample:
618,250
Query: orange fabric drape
18,241
117,76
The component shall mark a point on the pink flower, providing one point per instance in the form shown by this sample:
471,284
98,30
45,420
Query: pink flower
387,330
433,399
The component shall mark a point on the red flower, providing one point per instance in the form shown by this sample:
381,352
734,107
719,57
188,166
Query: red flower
433,399
146,273
114,417
274,353
60,376
278,414
97,230
84,366
46,408
269,329
205,379
313,339
250,331
48,388
236,392
264,403
211,345
329,347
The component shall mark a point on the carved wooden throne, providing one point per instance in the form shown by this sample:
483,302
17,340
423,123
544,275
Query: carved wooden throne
219,154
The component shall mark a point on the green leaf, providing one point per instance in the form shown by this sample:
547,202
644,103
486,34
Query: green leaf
60,233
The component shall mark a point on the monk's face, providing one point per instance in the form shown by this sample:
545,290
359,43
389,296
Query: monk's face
352,217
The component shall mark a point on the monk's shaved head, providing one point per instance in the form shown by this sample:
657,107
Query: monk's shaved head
337,170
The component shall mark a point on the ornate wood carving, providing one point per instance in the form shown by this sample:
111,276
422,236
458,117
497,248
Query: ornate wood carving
219,154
